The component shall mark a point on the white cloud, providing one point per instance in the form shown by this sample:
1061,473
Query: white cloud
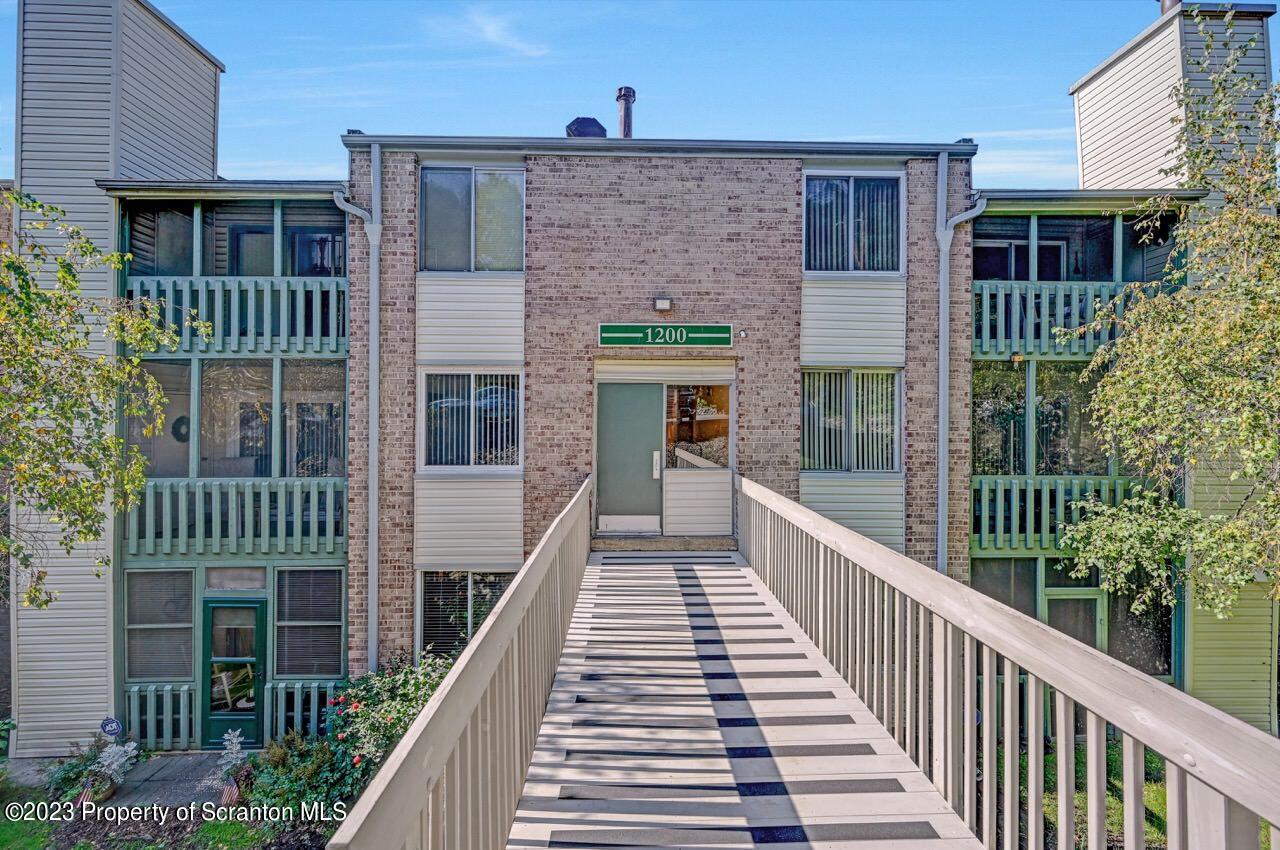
488,28
1037,134
1033,169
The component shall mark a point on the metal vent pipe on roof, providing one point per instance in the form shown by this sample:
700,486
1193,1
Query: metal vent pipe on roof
1167,6
626,97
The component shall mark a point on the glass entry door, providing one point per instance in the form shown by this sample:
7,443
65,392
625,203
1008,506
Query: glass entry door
235,650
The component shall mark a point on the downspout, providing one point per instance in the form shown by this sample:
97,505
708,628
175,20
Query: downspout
373,230
946,230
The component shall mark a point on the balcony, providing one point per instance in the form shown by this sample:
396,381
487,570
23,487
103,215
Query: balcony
1027,514
1021,318
248,516
252,316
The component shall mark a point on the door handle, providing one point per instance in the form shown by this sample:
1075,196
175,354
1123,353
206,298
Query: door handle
657,465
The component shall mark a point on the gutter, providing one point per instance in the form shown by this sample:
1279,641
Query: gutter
946,228
373,230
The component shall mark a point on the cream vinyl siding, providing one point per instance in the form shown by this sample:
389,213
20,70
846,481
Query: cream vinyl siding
1123,114
62,662
697,502
870,504
470,320
1231,664
462,523
168,103
861,321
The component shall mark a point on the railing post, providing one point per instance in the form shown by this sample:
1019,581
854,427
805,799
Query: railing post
1215,822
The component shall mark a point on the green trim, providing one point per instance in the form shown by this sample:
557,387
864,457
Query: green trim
215,723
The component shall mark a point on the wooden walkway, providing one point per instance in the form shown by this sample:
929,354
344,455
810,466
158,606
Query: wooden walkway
689,710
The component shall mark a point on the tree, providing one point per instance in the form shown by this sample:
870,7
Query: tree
70,370
1193,384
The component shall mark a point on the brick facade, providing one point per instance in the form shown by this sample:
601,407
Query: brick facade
920,406
604,236
397,426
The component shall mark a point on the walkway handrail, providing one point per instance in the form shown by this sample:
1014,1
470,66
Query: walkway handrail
902,633
455,778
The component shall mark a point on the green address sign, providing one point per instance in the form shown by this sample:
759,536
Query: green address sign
703,336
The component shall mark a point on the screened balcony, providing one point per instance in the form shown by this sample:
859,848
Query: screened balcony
1036,273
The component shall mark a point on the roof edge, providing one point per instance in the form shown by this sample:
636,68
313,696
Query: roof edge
182,34
220,188
633,147
1264,10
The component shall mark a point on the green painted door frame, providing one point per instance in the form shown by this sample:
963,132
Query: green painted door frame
235,681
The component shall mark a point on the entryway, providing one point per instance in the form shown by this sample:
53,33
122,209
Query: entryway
664,449
235,655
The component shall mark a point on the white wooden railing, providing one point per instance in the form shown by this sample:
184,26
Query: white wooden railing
952,674
453,781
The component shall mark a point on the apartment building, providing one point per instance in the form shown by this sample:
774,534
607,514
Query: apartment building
412,370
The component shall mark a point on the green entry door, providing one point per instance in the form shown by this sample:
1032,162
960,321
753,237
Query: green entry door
235,667
629,457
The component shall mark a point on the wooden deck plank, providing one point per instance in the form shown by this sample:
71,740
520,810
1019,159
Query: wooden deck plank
689,710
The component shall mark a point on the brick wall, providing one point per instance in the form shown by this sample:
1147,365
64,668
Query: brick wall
605,235
397,420
921,378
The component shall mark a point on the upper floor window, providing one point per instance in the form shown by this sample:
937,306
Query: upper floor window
470,419
849,420
472,220
853,224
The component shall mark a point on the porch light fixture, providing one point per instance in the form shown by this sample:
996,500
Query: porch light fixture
662,304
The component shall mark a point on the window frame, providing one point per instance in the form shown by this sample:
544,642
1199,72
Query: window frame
273,647
471,469
847,372
196,599
853,174
473,166
419,620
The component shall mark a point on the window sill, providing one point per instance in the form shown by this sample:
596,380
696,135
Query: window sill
426,276
855,277
470,473
839,475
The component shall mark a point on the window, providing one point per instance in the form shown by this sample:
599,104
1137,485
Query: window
1066,440
455,606
471,419
1008,580
697,426
238,238
315,239
1000,247
158,624
1076,248
853,224
168,450
1143,641
235,578
849,421
999,418
472,220
309,622
235,419
161,239
314,416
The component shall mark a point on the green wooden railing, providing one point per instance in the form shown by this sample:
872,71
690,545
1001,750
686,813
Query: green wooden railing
296,705
1020,317
253,315
1028,513
165,716
238,516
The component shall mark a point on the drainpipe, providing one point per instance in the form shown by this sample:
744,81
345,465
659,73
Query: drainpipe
946,228
373,230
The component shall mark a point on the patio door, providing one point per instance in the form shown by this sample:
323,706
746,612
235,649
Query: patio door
234,659
629,458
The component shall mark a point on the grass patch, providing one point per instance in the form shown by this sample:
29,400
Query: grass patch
21,834
227,835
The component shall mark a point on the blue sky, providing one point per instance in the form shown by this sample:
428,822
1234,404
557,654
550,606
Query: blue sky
300,73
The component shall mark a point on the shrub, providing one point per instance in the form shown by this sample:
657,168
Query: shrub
67,777
365,721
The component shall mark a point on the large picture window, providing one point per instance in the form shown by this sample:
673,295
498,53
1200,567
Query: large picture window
158,624
455,606
471,419
308,622
853,224
472,220
849,420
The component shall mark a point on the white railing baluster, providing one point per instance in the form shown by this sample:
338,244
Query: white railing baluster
1096,781
1064,744
1133,781
1012,804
